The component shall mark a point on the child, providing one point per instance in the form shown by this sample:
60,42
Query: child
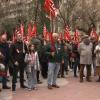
32,60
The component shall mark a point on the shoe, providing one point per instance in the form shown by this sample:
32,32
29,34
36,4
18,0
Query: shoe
0,90
98,80
55,86
24,86
75,76
14,92
34,88
6,87
39,82
50,87
81,81
66,73
63,76
83,75
29,89
58,76
89,80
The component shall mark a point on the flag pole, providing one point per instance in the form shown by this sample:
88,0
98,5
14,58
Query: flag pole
22,30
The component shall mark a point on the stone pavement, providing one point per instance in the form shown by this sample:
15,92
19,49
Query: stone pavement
70,89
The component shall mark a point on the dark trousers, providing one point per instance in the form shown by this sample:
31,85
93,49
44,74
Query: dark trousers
70,63
17,69
88,67
38,76
75,65
4,81
44,69
62,69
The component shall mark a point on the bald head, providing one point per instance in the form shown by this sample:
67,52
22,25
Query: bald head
3,38
55,36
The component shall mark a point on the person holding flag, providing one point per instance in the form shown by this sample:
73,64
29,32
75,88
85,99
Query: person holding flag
54,52
18,51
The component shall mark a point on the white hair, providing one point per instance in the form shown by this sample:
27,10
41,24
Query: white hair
55,34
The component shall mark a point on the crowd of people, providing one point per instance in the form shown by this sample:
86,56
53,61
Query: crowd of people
52,61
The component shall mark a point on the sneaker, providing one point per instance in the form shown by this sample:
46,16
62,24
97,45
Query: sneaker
55,86
39,82
98,80
81,81
50,87
14,92
63,76
23,86
35,88
89,80
75,76
6,87
29,89
0,90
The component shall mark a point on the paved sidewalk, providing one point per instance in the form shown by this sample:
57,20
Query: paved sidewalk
70,89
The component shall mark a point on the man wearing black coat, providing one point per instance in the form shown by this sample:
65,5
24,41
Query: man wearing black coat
18,51
4,49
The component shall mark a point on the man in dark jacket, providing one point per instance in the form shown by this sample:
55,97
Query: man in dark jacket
54,61
4,49
18,54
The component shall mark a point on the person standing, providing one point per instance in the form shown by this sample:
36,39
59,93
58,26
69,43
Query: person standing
76,58
2,68
65,58
4,49
54,61
85,51
33,65
97,52
18,51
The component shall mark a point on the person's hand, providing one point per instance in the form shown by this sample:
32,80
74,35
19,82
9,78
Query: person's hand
16,63
52,53
62,61
1,56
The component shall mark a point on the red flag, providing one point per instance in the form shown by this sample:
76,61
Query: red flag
46,34
50,8
76,36
93,34
29,29
22,29
34,31
67,34
61,36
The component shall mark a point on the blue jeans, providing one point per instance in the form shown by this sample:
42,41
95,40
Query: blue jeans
53,70
32,78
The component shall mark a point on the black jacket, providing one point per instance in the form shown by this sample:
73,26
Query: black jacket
17,52
4,49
